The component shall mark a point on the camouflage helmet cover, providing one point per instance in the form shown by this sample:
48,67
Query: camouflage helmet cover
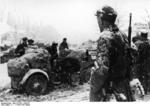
107,13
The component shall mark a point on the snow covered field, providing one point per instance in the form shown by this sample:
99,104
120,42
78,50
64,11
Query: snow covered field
4,78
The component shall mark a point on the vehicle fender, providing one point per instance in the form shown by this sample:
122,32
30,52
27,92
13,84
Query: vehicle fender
31,72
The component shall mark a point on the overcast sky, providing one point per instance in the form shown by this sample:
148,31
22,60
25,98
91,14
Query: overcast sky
74,18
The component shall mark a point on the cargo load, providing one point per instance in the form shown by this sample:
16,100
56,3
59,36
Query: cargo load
32,59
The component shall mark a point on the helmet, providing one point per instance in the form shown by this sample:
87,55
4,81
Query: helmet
108,14
31,41
144,34
54,43
24,38
64,38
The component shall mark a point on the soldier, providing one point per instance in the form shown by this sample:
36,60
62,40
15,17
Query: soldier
53,52
63,45
110,75
31,44
20,50
139,39
63,48
143,59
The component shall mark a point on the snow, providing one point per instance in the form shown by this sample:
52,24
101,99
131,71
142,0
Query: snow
4,78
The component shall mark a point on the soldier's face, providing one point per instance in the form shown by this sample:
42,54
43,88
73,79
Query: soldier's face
100,22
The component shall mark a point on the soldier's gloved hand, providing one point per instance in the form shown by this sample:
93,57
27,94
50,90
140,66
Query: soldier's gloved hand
95,66
135,85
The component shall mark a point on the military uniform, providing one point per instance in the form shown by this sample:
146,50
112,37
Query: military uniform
20,50
111,73
143,59
63,46
112,64
54,54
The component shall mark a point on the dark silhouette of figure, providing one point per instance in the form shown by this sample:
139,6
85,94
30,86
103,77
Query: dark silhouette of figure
31,44
53,52
20,50
143,59
111,72
63,45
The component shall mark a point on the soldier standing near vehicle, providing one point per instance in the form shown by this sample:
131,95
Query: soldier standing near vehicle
63,47
111,72
54,53
20,50
143,59
139,39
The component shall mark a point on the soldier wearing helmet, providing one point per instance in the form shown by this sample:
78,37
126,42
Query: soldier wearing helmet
63,48
20,50
31,44
111,71
143,59
63,45
140,38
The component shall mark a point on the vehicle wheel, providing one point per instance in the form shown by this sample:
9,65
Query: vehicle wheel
36,85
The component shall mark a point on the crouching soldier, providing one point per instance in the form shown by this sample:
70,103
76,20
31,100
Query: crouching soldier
111,74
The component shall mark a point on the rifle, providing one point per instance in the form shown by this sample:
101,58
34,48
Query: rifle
130,30
129,92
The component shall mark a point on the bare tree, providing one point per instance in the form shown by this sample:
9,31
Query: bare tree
147,18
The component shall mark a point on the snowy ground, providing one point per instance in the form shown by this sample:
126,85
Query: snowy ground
79,93
63,94
4,79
